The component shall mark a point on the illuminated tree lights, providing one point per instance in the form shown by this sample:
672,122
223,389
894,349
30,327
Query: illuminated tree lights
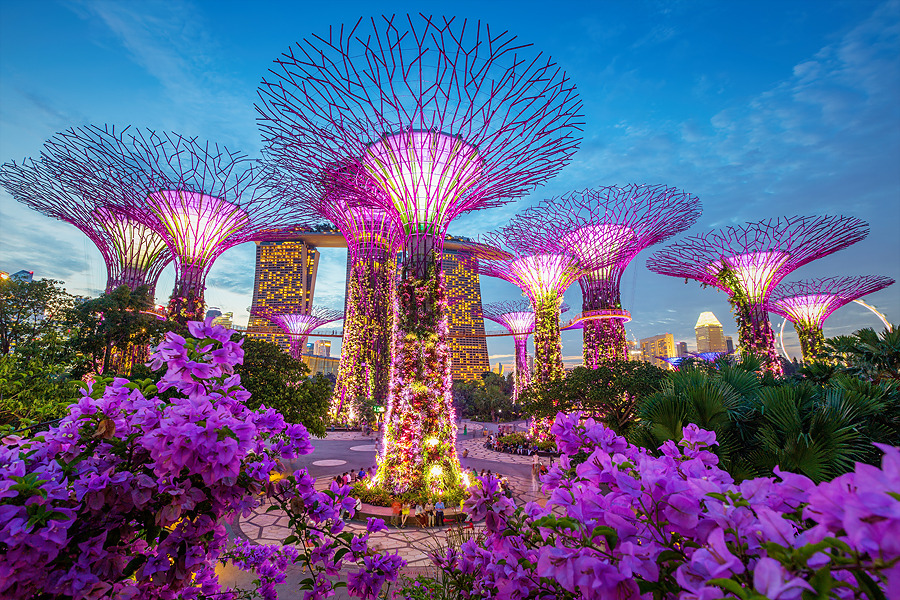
444,118
134,254
747,262
296,324
200,198
597,224
807,304
372,237
518,319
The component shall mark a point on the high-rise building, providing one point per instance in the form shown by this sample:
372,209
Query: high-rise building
24,276
729,343
225,320
285,277
681,349
321,364
710,336
322,348
656,346
468,346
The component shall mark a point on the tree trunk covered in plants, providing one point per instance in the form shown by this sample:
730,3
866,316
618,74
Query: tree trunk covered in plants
756,335
812,341
419,445
604,342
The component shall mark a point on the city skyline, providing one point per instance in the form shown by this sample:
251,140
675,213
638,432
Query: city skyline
774,110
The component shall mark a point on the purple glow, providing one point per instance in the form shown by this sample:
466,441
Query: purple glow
754,273
297,325
424,174
811,302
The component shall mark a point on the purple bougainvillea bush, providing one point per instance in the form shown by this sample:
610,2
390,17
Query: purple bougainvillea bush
128,495
623,523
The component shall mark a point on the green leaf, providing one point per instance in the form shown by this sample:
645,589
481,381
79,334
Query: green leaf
729,585
868,585
289,540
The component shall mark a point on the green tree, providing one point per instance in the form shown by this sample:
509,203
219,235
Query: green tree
608,393
866,354
113,333
278,381
31,314
32,391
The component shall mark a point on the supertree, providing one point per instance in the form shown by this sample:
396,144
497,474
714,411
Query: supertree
372,237
747,262
518,318
297,325
595,224
134,254
808,303
444,117
202,199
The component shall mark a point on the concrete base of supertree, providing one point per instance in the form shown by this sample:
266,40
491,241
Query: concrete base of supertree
548,363
812,341
419,443
756,335
604,342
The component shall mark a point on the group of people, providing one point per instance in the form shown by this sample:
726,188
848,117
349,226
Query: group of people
427,515
496,445
349,477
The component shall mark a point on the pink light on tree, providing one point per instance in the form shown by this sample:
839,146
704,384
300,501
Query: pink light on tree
518,319
202,199
445,117
747,262
133,253
808,303
372,237
609,221
296,324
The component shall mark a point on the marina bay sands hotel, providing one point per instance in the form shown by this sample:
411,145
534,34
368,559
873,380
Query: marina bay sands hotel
286,277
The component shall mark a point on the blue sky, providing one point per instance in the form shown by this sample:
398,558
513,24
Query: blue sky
761,109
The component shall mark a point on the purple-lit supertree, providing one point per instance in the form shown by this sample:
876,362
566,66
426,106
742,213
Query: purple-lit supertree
748,262
200,198
598,223
133,253
807,304
518,318
372,237
446,118
543,278
297,325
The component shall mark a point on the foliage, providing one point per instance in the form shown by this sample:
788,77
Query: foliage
32,392
609,392
622,523
377,496
548,364
487,399
760,422
275,380
866,354
126,497
30,313
112,333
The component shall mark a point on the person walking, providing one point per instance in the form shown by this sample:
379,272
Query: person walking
534,465
395,513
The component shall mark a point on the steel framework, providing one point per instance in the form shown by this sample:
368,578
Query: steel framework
297,325
808,303
202,199
134,254
595,224
747,262
445,117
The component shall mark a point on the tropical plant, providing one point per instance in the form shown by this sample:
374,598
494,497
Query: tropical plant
867,354
32,392
30,312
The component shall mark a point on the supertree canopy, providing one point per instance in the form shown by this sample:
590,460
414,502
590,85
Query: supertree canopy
297,325
200,198
807,304
598,223
373,237
445,117
747,262
134,254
